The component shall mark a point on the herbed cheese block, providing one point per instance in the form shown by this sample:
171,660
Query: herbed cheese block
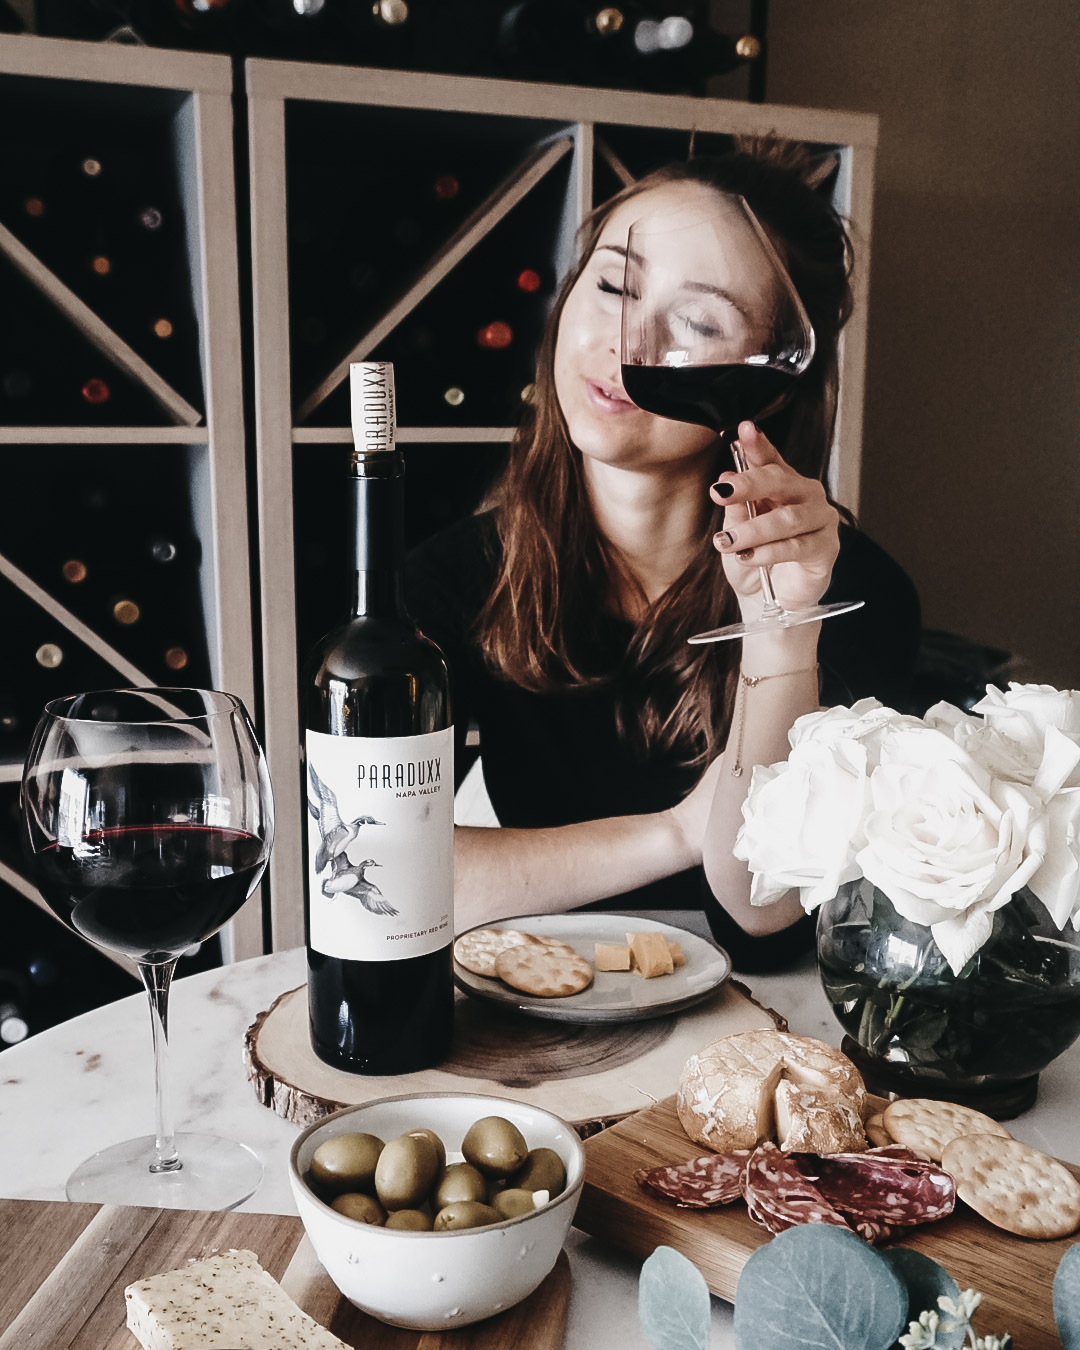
222,1302
727,1092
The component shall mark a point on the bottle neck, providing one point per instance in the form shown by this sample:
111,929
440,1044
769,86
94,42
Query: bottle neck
377,484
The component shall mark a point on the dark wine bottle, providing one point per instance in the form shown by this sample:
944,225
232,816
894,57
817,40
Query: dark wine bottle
380,790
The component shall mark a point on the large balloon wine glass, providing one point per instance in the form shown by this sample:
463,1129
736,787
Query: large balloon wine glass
148,820
714,332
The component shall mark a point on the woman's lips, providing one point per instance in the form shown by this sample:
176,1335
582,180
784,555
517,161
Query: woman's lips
608,398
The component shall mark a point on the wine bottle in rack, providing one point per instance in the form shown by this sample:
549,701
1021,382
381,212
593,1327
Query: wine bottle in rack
380,790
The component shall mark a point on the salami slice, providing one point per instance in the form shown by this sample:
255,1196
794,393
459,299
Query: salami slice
876,1189
779,1196
703,1183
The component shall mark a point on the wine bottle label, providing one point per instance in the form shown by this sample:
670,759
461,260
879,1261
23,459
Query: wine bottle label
380,844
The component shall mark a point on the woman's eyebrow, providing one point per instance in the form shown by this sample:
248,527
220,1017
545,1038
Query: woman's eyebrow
620,249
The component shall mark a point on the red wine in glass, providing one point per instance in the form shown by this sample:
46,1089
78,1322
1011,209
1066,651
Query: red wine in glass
710,396
150,891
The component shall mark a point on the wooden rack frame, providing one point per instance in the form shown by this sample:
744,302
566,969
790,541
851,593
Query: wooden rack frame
202,134
572,116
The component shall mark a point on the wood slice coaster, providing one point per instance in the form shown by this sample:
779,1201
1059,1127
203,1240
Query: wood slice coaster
589,1075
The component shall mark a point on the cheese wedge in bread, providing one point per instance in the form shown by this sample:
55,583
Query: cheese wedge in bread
221,1303
816,1120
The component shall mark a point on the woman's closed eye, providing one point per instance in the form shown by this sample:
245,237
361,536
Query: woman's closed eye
608,287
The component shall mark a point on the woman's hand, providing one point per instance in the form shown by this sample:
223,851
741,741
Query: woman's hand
794,531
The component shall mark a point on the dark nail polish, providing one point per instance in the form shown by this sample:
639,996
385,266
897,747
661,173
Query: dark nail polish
724,489
745,554
723,539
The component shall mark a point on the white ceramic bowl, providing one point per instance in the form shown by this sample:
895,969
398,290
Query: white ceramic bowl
432,1281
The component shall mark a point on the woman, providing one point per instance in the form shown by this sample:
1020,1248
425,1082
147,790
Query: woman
616,756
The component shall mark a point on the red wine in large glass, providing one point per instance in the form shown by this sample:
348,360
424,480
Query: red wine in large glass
710,396
147,821
150,891
380,790
714,333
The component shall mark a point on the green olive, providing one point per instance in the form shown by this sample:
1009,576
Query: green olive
459,1181
543,1171
513,1203
412,1220
406,1171
495,1146
362,1208
440,1147
466,1214
494,1186
346,1163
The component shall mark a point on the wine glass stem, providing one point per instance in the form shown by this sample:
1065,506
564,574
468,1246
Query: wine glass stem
157,979
771,608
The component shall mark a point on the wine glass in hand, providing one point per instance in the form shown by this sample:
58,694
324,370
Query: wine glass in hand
148,820
714,332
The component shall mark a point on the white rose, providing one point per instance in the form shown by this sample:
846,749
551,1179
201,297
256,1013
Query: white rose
1034,715
865,722
803,822
1057,881
1042,761
946,843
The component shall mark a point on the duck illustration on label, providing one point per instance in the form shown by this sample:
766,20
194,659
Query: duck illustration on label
346,878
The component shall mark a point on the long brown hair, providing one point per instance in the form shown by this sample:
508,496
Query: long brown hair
557,572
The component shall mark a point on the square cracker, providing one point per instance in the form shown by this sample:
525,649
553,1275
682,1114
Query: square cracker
928,1126
1014,1186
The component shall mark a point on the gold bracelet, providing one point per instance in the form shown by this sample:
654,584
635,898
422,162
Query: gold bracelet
748,682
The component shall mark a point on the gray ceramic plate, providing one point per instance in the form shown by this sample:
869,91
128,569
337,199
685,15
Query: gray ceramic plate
613,996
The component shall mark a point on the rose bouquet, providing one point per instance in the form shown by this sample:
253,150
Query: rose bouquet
950,815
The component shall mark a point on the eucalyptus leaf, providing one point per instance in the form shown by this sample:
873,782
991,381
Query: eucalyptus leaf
817,1287
1067,1298
925,1281
674,1304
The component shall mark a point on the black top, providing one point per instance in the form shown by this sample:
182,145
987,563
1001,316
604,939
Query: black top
555,759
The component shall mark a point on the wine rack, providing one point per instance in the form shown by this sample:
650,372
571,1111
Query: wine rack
123,527
426,219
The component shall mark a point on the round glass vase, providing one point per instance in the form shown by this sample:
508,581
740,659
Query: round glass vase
917,1029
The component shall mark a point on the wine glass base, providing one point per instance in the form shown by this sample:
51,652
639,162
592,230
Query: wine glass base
790,618
216,1174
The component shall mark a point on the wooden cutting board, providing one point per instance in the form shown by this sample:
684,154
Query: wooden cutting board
589,1075
64,1269
1014,1274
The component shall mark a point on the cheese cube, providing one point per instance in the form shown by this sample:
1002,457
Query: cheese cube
611,956
649,954
678,957
224,1301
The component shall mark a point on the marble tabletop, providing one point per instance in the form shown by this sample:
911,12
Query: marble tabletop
88,1082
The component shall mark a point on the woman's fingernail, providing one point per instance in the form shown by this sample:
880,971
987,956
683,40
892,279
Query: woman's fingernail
745,554
723,539
723,489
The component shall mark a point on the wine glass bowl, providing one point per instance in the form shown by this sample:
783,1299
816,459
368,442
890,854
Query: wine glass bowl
714,333
148,820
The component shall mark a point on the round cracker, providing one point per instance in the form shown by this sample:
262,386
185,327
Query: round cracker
1014,1186
928,1126
544,971
477,949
